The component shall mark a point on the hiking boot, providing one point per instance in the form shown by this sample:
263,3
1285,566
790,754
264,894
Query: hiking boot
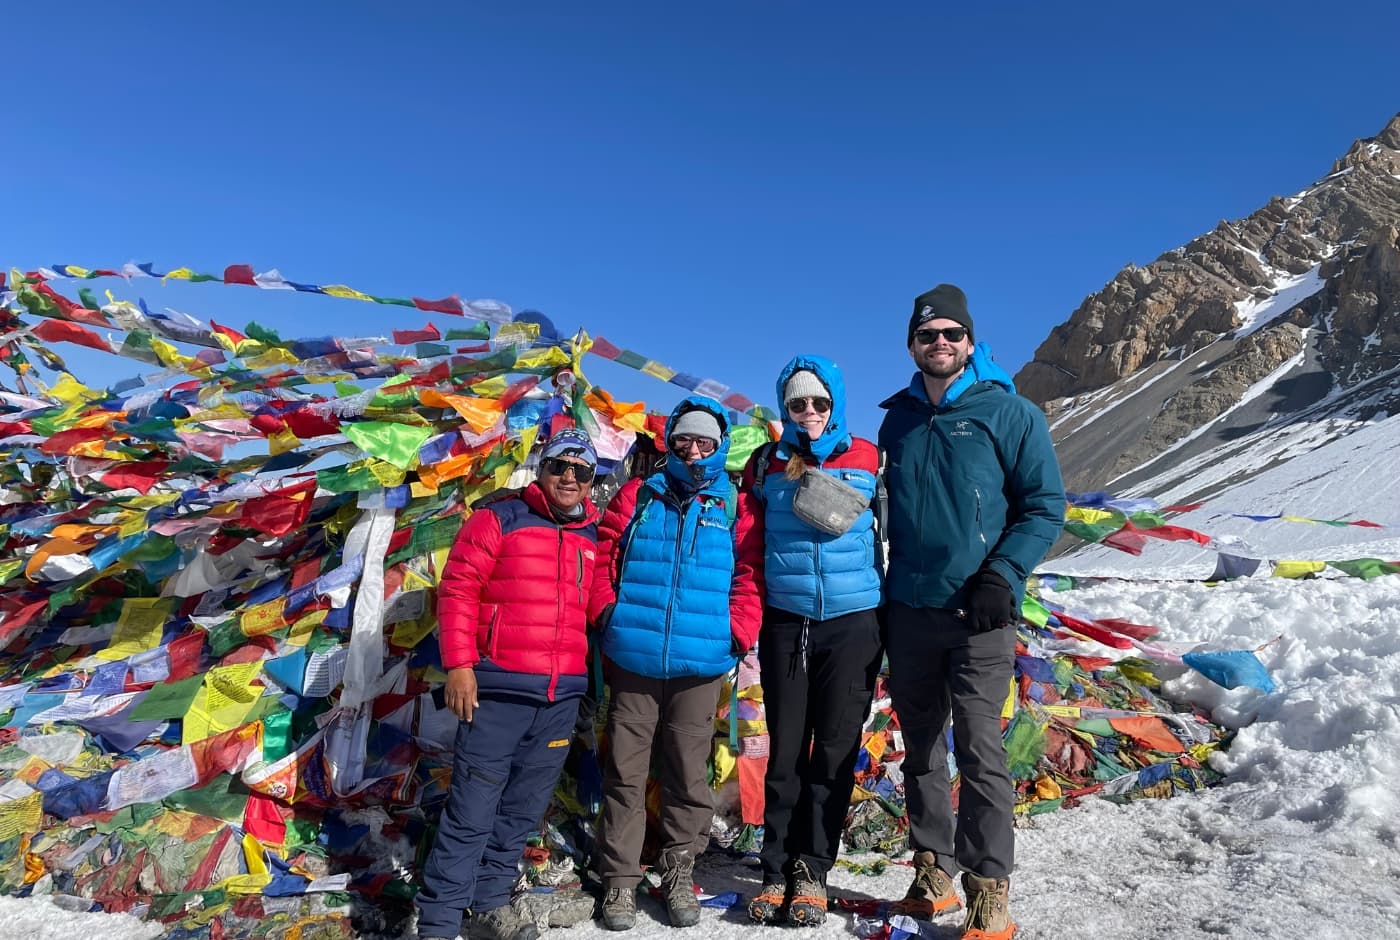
620,908
987,914
769,906
808,905
931,893
678,887
501,923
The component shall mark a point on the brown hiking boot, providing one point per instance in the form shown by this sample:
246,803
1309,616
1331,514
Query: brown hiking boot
620,908
987,914
769,906
808,905
678,887
931,893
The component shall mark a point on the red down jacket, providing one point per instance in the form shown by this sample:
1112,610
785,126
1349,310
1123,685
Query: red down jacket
514,597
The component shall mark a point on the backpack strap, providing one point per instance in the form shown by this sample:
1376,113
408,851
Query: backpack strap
881,505
760,468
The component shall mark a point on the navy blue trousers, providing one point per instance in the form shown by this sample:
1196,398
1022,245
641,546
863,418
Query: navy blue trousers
506,765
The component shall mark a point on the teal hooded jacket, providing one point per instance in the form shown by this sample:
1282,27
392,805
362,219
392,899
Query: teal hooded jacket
973,482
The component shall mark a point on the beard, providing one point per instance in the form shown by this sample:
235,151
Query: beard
943,369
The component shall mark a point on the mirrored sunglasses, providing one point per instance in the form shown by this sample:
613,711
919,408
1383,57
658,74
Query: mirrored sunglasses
953,334
558,466
798,405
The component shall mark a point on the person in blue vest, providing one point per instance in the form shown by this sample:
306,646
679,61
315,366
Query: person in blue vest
976,500
819,650
677,598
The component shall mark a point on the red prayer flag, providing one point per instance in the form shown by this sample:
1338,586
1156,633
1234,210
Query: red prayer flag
605,349
428,334
62,331
239,274
451,305
280,512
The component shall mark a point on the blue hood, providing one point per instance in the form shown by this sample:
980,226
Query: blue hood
836,437
712,472
980,368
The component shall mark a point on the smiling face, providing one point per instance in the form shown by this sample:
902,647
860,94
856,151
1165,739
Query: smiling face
563,490
937,356
811,413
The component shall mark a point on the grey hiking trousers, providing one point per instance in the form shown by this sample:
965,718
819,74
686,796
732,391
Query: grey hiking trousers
941,670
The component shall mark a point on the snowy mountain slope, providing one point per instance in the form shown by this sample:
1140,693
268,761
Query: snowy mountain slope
1290,315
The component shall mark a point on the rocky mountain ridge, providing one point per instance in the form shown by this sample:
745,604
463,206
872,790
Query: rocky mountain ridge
1289,314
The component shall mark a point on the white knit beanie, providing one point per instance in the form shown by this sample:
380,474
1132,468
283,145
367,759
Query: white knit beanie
804,384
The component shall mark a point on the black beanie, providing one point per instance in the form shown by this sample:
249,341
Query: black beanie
944,302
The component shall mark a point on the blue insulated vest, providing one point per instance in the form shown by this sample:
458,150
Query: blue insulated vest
676,572
808,572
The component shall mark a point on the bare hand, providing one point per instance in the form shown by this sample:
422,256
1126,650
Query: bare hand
460,693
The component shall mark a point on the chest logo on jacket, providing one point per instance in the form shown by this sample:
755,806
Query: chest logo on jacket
961,428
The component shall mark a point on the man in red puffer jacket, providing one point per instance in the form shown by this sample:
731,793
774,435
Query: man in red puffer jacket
512,619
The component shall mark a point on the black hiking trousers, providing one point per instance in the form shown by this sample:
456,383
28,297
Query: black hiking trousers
942,671
818,677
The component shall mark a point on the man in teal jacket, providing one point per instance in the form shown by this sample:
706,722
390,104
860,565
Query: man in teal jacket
976,501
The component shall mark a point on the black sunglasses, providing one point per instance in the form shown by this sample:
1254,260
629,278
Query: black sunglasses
953,334
798,405
558,466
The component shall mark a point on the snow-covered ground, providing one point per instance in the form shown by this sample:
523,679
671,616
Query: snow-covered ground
1303,839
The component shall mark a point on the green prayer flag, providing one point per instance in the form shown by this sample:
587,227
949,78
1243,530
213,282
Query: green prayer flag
1367,568
394,443
167,700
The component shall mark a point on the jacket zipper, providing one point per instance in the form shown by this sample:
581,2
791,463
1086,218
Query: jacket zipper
558,619
675,579
491,632
981,532
928,463
578,556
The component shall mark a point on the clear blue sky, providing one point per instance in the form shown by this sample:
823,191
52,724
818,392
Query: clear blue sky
716,185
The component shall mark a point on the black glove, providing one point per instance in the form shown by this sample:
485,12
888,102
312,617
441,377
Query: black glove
989,601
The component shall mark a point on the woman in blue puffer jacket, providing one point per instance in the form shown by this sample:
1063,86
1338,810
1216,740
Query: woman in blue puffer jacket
819,649
677,594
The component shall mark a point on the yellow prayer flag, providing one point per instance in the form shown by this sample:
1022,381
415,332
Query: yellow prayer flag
349,293
71,392
21,817
273,356
223,702
1298,569
179,274
1088,516
492,387
301,630
662,372
263,618
139,627
726,763
279,442
552,358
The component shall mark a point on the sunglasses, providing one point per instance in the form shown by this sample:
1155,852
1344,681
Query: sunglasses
953,334
683,442
558,466
798,405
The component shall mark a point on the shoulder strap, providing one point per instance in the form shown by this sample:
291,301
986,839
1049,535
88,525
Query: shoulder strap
645,494
760,467
881,507
731,504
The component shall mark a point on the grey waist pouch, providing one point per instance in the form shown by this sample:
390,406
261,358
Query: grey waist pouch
827,504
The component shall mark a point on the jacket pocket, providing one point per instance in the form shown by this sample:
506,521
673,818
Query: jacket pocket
492,624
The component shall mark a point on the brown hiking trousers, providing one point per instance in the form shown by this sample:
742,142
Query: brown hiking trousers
684,710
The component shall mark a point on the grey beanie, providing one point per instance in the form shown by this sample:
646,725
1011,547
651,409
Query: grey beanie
698,423
804,384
